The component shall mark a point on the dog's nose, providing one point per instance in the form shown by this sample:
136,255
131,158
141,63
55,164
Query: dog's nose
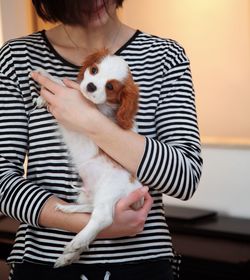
91,87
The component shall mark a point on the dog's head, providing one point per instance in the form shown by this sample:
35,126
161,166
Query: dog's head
106,79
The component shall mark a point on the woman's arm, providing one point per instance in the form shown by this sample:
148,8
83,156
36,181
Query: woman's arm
20,199
127,221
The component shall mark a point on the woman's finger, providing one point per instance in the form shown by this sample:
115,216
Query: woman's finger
71,84
148,202
45,82
47,95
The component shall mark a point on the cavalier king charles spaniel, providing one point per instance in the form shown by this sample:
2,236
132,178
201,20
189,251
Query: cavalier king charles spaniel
106,81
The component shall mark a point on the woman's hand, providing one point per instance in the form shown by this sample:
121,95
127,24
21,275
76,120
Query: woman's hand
127,221
66,103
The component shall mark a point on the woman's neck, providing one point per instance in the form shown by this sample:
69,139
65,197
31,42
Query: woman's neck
92,37
74,43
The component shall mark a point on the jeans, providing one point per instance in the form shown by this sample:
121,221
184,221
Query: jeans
147,270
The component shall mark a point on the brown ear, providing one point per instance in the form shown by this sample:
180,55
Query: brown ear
95,57
129,104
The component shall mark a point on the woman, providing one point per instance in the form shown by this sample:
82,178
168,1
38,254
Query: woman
164,154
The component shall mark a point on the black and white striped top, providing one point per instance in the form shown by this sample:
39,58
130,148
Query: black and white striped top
171,163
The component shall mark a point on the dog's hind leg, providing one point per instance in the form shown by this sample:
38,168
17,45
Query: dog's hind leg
73,208
101,218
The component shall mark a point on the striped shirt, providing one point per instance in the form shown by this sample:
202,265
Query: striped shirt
171,162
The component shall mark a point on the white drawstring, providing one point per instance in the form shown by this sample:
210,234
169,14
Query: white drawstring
106,277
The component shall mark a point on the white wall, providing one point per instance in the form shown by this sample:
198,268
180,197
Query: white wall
225,183
1,27
216,37
13,19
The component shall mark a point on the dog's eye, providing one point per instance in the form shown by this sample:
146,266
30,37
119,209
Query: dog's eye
109,86
94,70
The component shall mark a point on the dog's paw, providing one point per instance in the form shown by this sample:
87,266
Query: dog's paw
71,253
138,205
60,207
67,259
41,102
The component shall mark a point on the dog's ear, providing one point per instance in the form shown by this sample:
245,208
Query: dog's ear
95,57
128,104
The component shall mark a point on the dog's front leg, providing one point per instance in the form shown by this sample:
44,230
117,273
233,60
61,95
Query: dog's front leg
101,218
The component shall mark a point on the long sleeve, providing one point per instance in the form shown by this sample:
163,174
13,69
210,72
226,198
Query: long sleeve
19,198
171,162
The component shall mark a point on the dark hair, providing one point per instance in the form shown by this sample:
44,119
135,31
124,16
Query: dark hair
65,11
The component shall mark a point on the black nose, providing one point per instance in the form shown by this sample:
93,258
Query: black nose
91,87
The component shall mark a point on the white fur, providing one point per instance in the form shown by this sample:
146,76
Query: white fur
104,182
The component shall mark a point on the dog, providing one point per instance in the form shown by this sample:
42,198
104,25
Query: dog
106,81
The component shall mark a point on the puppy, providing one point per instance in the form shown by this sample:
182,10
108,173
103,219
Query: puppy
106,81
